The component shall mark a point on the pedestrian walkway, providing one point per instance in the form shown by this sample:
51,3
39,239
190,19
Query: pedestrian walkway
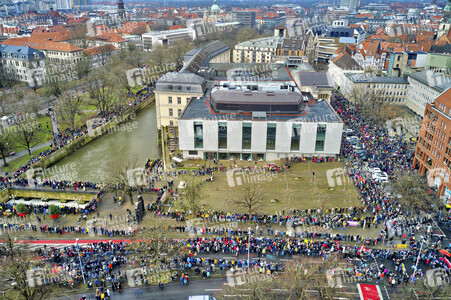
23,153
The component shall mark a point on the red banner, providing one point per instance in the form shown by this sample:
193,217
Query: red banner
369,292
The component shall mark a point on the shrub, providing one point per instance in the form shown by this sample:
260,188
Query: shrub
54,210
21,208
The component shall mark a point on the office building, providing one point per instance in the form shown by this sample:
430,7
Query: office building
425,87
267,123
433,152
244,17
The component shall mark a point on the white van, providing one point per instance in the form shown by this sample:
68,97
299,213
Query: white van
201,297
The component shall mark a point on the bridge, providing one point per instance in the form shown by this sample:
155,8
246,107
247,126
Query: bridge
50,194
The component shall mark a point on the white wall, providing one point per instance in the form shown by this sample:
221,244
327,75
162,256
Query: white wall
258,136
283,138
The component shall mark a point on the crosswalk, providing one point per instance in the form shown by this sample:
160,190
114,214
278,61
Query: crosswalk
35,247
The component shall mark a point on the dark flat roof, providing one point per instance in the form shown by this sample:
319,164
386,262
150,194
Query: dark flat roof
314,111
225,96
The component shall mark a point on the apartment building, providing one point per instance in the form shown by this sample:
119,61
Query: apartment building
111,38
425,87
433,152
173,92
23,64
260,50
391,89
326,47
340,65
57,53
406,62
291,47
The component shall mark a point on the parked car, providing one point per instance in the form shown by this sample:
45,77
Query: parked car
375,170
380,177
348,132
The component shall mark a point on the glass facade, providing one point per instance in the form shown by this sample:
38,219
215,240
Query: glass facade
271,136
296,137
222,135
198,135
247,135
320,137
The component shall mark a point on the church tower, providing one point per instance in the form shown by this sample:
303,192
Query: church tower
121,9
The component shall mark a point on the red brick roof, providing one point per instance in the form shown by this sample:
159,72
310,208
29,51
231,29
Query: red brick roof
110,38
174,27
99,49
40,44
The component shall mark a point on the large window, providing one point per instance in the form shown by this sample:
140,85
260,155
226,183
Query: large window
222,135
171,113
320,137
170,100
271,136
247,135
198,135
295,137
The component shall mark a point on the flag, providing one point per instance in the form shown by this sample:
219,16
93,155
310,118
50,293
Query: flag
361,249
444,252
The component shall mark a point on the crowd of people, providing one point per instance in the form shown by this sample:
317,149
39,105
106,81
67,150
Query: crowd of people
306,233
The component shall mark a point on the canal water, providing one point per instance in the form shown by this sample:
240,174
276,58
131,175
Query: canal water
137,138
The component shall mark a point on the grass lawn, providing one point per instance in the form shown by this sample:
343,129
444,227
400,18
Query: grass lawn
43,129
18,162
295,190
80,120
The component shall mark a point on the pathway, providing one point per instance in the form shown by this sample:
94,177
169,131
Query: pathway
22,153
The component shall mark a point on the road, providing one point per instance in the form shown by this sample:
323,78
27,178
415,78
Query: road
171,291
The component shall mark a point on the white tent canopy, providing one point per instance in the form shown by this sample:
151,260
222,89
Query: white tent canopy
40,202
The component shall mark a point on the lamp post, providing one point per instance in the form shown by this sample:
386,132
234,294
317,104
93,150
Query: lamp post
418,258
248,247
79,259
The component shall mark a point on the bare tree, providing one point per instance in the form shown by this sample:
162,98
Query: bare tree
251,198
15,275
83,67
245,34
5,146
422,289
178,51
68,107
358,96
124,173
159,56
306,280
26,135
413,188
7,81
54,82
251,287
29,103
194,194
6,101
102,88
79,36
